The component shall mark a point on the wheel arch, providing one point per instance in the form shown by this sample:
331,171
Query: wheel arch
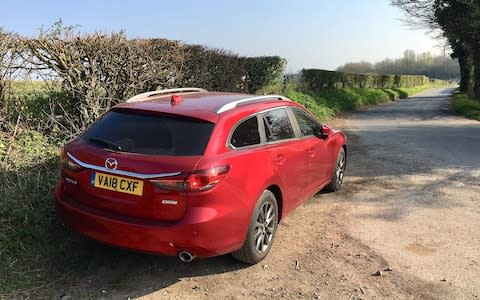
277,192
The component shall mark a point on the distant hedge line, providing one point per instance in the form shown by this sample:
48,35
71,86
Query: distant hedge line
318,79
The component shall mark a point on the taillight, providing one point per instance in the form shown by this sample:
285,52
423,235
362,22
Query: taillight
67,163
170,184
206,179
200,180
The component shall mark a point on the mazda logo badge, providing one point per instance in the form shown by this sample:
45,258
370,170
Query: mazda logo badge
111,163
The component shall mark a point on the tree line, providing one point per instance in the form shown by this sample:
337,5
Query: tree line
439,67
458,21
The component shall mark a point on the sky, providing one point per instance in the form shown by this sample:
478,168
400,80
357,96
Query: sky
321,34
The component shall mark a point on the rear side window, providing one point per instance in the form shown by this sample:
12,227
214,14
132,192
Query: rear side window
246,134
308,126
277,125
150,134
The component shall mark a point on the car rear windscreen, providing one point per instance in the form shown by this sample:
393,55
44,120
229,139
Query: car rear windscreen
150,134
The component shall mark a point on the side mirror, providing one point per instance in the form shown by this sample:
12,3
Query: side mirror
323,131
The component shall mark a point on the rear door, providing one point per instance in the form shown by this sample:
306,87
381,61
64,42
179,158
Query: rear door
318,161
286,155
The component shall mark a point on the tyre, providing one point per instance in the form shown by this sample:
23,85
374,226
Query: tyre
338,172
261,231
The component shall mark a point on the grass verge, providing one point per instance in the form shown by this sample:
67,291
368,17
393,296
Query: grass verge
28,171
465,106
329,102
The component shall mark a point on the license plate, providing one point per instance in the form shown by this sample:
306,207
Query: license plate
117,184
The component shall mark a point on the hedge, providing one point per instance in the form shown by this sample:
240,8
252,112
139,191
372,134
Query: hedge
98,70
318,79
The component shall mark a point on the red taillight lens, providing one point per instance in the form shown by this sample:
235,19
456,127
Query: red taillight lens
206,179
68,164
200,180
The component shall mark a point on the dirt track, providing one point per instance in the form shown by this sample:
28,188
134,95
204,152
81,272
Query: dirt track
410,202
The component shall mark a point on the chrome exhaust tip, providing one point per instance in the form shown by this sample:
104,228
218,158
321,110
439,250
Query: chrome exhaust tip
185,256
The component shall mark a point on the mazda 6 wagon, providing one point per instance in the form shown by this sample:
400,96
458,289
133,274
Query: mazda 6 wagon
192,173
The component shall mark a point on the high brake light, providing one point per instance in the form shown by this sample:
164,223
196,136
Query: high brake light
201,180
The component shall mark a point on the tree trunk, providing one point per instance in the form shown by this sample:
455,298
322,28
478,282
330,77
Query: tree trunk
476,74
464,73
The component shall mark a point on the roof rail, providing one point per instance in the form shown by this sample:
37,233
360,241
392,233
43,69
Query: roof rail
234,104
144,96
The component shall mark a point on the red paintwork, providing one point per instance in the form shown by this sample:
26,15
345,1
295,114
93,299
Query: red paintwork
207,223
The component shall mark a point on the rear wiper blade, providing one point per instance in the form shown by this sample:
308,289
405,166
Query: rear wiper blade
106,143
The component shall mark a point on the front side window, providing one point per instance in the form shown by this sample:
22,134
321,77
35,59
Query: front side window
246,134
277,125
308,126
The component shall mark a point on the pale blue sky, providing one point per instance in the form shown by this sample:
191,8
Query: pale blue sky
308,33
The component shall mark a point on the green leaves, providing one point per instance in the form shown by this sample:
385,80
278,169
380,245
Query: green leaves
318,79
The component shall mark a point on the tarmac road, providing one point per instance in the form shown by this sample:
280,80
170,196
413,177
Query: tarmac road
415,189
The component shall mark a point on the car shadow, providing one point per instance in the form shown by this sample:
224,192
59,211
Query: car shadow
108,272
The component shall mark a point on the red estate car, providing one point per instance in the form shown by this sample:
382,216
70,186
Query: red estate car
194,173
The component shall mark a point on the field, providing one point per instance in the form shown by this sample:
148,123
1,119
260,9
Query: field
36,251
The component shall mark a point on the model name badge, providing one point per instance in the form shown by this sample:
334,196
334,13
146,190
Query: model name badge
171,202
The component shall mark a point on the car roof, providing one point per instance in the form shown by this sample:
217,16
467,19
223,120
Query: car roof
201,105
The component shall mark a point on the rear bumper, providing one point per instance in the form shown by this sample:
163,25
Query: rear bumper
203,231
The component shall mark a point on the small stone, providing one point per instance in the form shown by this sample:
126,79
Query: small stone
297,265
443,279
378,273
104,291
362,290
265,267
195,287
65,297
388,269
